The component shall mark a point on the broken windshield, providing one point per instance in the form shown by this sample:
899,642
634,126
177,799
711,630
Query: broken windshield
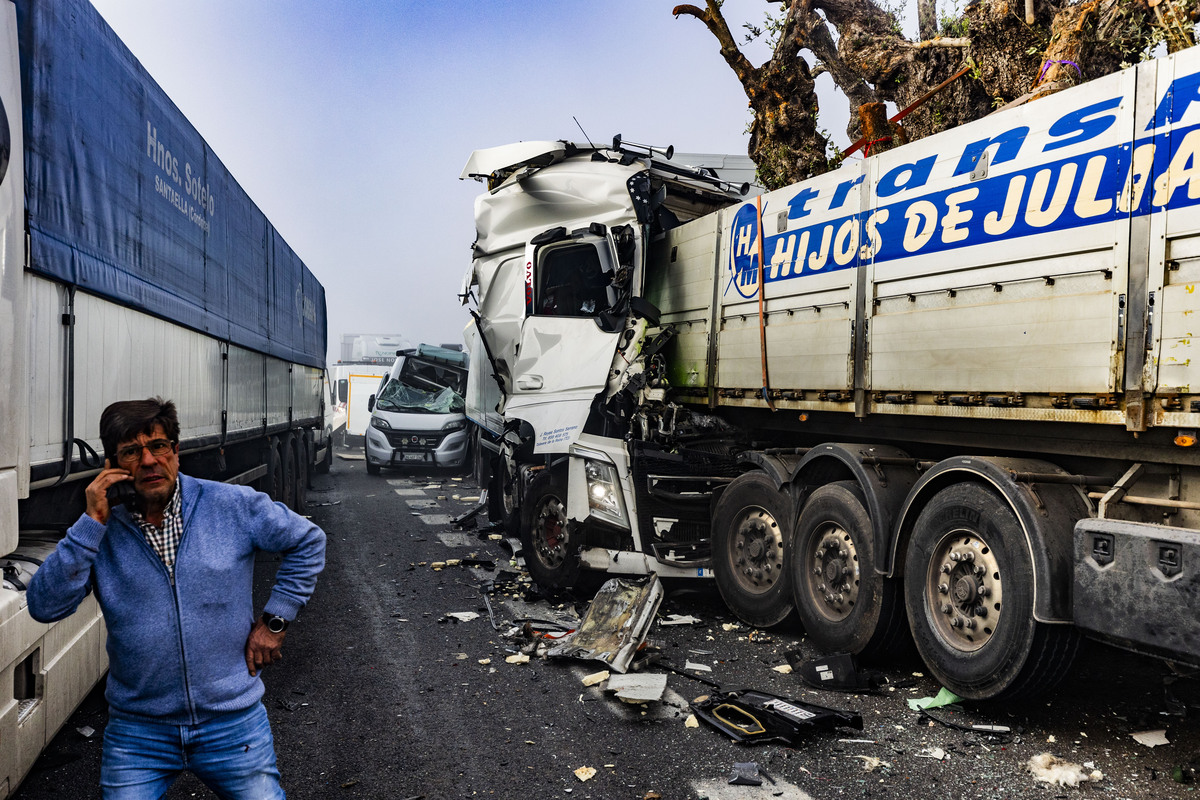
424,388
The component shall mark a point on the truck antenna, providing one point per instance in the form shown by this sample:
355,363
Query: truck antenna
581,130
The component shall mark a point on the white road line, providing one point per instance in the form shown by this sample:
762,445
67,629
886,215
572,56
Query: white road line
410,492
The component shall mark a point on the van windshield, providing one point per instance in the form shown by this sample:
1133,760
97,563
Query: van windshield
424,388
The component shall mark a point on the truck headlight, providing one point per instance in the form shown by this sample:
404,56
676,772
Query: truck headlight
381,423
604,493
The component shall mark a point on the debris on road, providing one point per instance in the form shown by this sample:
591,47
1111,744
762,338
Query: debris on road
595,678
691,721
750,716
679,619
1153,738
1058,772
585,773
943,698
697,667
783,669
642,687
459,616
518,658
872,763
838,671
936,753
745,773
615,624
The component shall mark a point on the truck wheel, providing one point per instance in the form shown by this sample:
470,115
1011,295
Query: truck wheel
502,496
844,605
272,482
552,559
969,593
303,458
287,472
323,467
750,530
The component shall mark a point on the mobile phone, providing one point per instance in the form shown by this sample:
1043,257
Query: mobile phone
121,492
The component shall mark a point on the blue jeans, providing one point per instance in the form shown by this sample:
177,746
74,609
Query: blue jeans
233,754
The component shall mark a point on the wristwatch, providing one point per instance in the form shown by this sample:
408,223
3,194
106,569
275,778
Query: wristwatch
274,622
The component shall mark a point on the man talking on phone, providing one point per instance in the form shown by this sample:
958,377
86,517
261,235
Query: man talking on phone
172,569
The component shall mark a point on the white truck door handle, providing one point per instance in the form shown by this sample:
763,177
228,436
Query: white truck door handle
529,382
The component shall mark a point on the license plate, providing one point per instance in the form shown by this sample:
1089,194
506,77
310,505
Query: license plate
413,456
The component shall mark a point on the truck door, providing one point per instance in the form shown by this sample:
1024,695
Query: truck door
568,336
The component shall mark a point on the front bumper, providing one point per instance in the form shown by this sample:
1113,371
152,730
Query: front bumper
398,448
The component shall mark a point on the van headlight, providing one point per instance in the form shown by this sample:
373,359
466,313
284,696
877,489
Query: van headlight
604,493
457,425
381,423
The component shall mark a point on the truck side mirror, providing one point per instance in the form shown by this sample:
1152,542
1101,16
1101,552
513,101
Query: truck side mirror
371,403
343,390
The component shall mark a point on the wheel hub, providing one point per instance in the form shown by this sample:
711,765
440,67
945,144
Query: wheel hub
967,590
833,578
549,535
758,550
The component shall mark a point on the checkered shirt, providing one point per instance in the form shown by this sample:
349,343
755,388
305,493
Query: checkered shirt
165,540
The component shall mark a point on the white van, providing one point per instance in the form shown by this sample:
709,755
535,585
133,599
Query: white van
417,414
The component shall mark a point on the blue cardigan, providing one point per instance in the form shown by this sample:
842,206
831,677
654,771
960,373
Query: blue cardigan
177,653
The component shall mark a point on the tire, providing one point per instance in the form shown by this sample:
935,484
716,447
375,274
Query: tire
751,529
272,482
303,459
967,555
322,468
503,505
372,469
550,555
287,458
844,605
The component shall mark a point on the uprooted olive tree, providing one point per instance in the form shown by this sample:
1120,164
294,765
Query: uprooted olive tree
962,66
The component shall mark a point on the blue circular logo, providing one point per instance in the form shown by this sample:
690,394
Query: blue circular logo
743,252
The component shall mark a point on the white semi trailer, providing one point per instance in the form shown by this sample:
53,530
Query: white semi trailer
959,402
131,264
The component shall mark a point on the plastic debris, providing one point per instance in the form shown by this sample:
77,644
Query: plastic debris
783,669
745,773
943,698
691,721
519,658
1051,769
692,665
750,716
1151,738
640,687
837,671
595,677
936,753
872,763
87,731
679,619
585,773
460,616
485,661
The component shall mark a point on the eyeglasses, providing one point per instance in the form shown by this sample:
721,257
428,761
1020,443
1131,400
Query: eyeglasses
133,453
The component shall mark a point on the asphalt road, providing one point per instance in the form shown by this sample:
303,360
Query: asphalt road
380,695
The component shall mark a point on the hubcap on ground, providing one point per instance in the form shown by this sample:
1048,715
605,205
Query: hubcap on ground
757,550
965,591
833,576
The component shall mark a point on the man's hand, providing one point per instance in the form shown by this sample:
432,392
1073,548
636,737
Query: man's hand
97,491
263,647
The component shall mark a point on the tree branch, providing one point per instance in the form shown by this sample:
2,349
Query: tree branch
716,24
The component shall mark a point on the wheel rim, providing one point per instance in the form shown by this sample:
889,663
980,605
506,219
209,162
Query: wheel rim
756,550
549,533
965,590
831,574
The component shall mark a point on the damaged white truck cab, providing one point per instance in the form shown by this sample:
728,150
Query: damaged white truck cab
946,392
561,369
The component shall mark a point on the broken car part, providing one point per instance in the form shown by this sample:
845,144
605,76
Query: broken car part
748,716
